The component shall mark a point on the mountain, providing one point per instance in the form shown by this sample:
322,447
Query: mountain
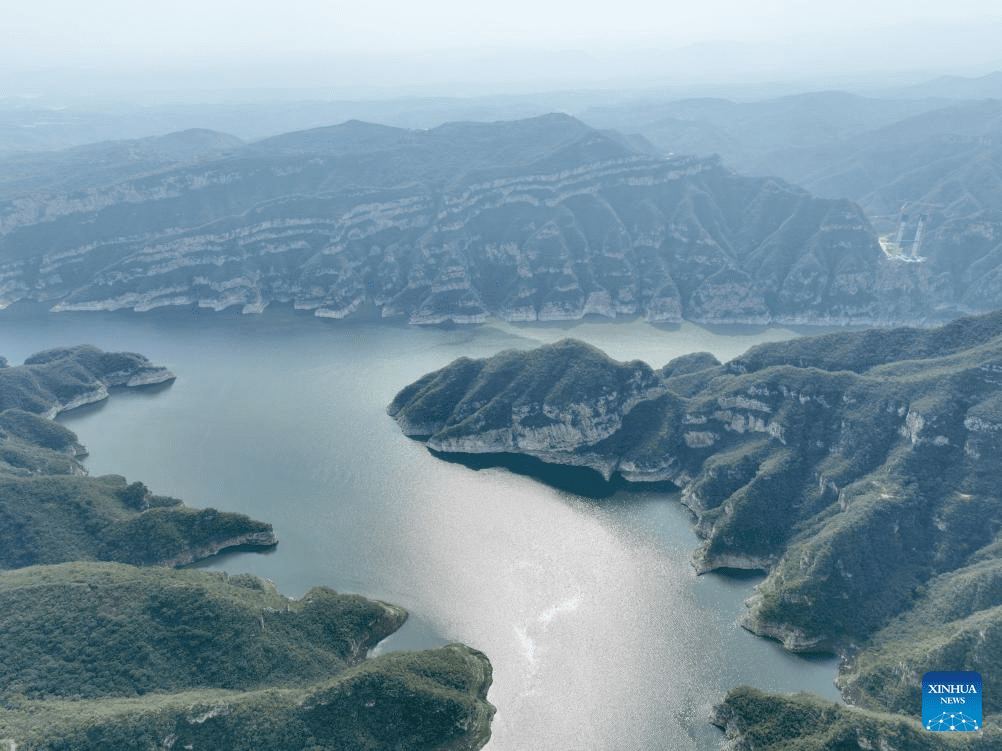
108,161
742,133
777,722
52,512
860,470
925,158
988,86
99,654
932,183
102,656
540,219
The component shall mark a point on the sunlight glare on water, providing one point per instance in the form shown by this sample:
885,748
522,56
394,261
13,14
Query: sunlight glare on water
594,634
599,632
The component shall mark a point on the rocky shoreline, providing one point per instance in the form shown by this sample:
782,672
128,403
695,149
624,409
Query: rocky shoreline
179,655
251,541
857,470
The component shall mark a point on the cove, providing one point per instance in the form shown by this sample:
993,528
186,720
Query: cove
600,633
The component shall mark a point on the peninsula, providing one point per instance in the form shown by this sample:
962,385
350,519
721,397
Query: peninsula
108,645
859,470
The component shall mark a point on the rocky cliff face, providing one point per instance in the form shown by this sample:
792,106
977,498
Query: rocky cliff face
860,470
545,404
543,219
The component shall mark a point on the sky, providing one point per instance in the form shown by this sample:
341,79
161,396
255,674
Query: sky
386,42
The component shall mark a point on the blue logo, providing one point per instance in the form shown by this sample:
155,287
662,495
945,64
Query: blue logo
951,700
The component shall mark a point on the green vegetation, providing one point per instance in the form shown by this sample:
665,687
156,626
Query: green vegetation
403,700
101,655
860,470
49,380
31,428
955,624
59,518
530,389
51,512
87,630
757,720
861,351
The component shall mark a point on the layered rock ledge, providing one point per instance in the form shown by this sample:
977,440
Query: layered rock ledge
536,220
859,470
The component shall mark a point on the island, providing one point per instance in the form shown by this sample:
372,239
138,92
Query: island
859,470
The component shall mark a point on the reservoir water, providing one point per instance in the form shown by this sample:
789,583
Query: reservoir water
600,633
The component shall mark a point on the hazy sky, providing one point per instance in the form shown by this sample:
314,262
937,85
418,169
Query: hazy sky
38,34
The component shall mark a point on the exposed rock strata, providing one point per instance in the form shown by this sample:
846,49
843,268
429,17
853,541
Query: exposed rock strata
860,470
251,540
543,219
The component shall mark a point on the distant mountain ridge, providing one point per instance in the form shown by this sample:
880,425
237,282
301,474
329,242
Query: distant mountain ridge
539,219
924,164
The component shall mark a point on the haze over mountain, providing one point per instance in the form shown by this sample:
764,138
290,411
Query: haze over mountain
537,219
679,172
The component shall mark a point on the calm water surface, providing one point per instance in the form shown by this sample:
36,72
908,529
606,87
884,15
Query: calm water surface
600,634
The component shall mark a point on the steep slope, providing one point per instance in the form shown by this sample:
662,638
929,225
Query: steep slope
931,183
108,161
860,470
754,720
538,219
743,132
150,650
51,512
107,655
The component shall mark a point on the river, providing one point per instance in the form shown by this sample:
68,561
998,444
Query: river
600,633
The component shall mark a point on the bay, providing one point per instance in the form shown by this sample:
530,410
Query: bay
600,633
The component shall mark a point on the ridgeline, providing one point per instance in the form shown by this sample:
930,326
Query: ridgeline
101,654
859,470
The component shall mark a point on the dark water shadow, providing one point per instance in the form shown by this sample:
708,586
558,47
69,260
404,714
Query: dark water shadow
666,326
568,324
583,481
738,575
231,554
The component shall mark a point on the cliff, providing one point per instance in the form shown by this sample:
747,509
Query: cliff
860,470
541,219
